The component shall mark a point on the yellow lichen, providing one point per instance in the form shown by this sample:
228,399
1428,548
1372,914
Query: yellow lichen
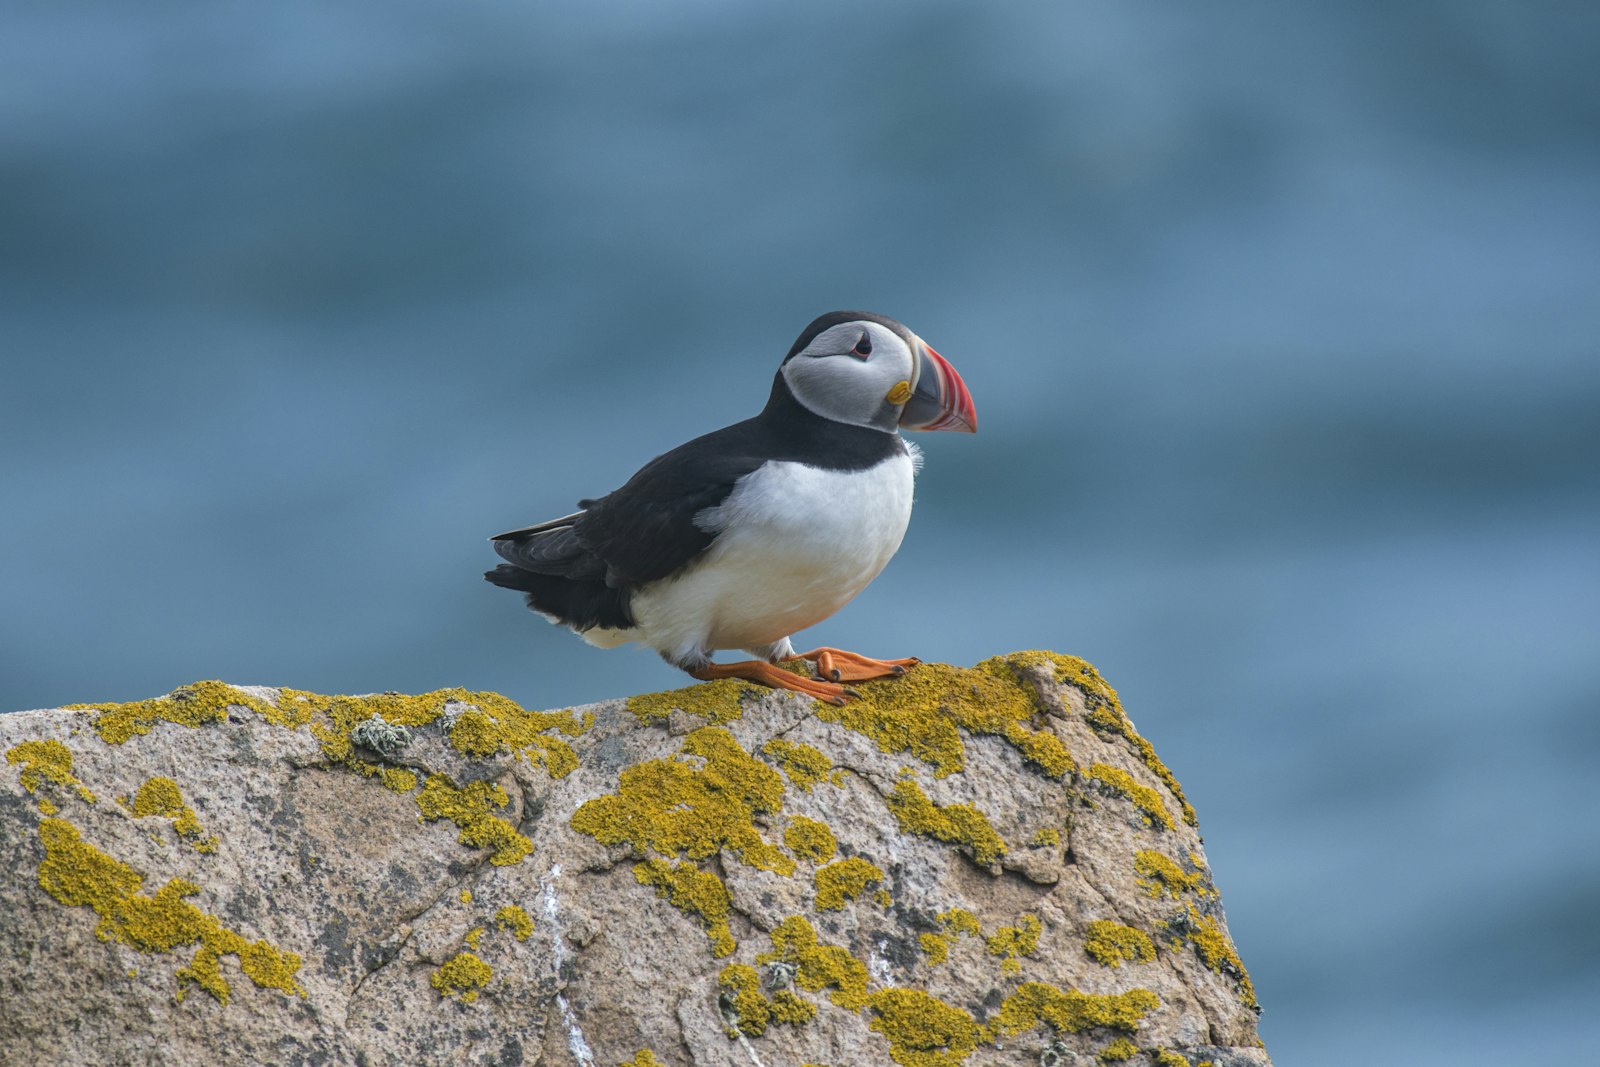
790,1009
1012,942
496,723
480,724
1047,836
1218,953
922,1030
810,839
161,796
1104,713
1069,1011
884,898
77,874
400,779
694,892
957,922
191,705
1147,800
1168,1058
818,966
805,766
957,824
46,807
696,806
961,921
470,807
462,975
752,1010
1111,943
46,761
465,896
643,1058
923,712
1161,875
1119,1050
513,918
473,936
716,702
843,881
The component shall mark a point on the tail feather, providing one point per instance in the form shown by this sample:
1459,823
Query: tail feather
556,551
581,604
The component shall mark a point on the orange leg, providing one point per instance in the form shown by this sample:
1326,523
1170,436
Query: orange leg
841,666
752,670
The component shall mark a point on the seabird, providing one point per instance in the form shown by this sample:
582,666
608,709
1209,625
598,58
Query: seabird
751,533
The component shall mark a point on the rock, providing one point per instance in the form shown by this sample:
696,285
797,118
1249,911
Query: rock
976,866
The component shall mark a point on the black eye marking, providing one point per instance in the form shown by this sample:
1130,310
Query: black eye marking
863,347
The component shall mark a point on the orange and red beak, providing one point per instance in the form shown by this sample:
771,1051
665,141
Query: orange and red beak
940,400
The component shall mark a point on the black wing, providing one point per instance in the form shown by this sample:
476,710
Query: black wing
645,531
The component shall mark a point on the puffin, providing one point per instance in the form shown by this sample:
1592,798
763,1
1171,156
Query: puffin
746,535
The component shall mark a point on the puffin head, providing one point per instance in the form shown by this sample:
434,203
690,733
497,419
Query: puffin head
868,370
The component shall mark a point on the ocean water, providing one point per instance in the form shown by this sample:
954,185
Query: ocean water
1283,327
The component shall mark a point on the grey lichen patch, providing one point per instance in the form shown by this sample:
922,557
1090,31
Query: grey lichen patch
380,735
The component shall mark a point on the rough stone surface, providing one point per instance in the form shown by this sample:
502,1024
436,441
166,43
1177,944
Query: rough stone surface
309,911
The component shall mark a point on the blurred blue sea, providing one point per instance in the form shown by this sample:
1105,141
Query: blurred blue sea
1283,325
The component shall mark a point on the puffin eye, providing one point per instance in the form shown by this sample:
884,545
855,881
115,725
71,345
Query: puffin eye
863,347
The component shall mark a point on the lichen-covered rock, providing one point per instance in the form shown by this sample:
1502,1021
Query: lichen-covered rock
977,866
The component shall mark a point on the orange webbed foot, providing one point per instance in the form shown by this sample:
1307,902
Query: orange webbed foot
838,665
777,678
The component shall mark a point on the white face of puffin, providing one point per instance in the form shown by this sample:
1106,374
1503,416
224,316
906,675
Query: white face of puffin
867,374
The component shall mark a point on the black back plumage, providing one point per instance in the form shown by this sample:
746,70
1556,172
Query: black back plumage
583,568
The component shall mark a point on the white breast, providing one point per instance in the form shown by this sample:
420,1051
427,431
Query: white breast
794,545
